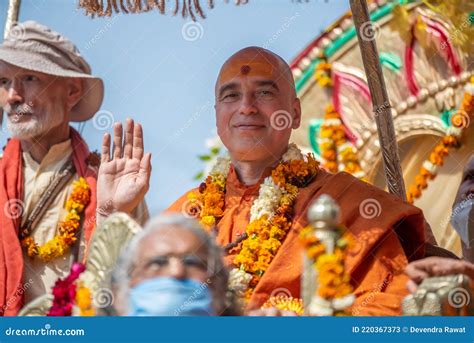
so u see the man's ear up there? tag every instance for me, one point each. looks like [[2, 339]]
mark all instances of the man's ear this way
[[74, 91], [297, 113]]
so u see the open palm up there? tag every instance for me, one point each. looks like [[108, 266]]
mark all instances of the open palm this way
[[124, 177]]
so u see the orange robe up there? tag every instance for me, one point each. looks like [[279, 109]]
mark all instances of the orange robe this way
[[384, 244]]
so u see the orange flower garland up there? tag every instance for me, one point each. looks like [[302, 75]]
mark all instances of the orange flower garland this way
[[285, 303], [338, 153], [333, 282], [459, 121], [323, 74], [59, 245], [265, 236], [270, 213]]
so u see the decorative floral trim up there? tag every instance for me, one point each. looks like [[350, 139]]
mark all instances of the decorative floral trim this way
[[270, 214], [323, 74], [59, 245], [430, 167], [334, 293], [338, 153]]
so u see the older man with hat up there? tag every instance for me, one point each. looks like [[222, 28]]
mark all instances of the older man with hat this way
[[47, 174]]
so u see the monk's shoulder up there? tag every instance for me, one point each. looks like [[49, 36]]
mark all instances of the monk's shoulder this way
[[352, 194]]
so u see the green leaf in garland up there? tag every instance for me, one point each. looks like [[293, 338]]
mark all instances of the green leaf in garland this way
[[199, 176], [204, 157]]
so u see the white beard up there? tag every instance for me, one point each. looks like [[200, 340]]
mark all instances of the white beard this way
[[35, 126]]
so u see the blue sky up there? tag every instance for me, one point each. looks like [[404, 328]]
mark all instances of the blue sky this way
[[161, 70]]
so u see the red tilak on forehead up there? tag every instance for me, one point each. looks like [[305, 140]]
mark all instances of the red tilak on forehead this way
[[245, 69]]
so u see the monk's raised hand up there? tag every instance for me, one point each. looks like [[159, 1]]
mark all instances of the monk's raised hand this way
[[124, 173]]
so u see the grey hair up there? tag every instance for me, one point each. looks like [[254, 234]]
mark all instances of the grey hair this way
[[217, 274]]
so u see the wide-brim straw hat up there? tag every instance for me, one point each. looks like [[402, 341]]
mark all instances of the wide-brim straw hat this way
[[35, 47]]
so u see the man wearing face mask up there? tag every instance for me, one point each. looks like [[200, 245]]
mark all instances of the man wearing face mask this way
[[462, 218], [172, 268]]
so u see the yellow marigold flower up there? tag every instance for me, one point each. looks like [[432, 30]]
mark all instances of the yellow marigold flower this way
[[72, 205], [208, 220], [284, 303], [73, 217]]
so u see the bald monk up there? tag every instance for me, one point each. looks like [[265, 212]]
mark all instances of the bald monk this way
[[255, 86]]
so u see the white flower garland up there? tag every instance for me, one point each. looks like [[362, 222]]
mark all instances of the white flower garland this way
[[269, 197]]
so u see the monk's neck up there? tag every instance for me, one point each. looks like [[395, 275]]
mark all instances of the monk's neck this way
[[39, 146], [250, 172]]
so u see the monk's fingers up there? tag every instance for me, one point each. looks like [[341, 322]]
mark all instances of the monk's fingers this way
[[452, 266], [411, 286], [105, 156], [138, 142], [145, 168], [117, 151], [128, 143], [415, 273]]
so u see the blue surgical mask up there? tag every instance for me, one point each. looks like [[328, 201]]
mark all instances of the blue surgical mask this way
[[462, 221], [165, 296]]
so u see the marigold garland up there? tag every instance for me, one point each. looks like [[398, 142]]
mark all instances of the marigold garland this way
[[66, 236], [338, 153], [270, 215], [334, 293], [285, 303], [323, 74], [460, 121]]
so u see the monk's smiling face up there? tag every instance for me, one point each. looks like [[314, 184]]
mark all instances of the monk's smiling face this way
[[256, 105]]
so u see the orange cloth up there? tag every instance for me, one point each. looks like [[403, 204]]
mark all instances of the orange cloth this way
[[11, 191], [383, 246]]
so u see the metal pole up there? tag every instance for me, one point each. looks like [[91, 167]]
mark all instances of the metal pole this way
[[12, 15]]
